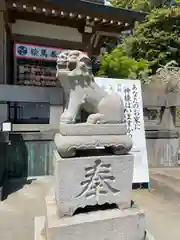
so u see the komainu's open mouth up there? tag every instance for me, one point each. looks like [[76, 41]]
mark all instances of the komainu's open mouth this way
[[61, 65], [69, 61]]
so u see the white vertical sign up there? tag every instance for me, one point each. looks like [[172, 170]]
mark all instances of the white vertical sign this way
[[130, 91]]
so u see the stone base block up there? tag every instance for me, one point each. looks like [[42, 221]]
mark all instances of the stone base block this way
[[39, 230], [46, 227], [91, 181], [85, 129], [113, 224]]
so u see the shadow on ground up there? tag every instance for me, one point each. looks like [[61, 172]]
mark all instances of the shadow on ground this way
[[13, 185]]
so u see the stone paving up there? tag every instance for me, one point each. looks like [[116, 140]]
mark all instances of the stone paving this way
[[17, 212], [162, 216]]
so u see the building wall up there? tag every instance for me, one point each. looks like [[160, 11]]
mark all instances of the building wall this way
[[37, 29], [27, 95], [14, 93]]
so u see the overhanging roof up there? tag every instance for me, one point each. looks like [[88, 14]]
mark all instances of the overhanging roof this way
[[99, 16], [107, 12]]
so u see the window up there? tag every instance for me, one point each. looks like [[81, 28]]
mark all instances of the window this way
[[29, 113]]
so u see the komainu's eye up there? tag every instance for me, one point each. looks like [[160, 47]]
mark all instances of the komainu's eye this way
[[86, 61]]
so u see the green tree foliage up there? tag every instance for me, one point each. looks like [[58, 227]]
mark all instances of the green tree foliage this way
[[140, 4], [144, 5], [157, 40], [118, 65]]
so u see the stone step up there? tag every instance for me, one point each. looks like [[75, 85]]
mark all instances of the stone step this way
[[166, 182]]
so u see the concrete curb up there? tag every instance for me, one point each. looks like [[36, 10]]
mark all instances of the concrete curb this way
[[149, 236], [38, 228]]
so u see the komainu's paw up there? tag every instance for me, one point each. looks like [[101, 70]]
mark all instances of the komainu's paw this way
[[66, 118], [95, 118]]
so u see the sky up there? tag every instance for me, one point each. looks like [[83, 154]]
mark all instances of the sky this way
[[107, 2]]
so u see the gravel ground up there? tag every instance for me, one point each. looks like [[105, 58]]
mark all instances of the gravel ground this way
[[25, 202]]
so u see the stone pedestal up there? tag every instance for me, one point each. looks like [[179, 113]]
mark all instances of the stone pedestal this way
[[92, 200], [90, 181], [91, 197], [68, 145], [78, 137]]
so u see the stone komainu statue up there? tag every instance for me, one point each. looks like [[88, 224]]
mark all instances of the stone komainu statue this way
[[74, 71], [92, 165]]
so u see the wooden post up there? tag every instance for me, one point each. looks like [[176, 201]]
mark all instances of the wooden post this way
[[87, 42], [3, 59]]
